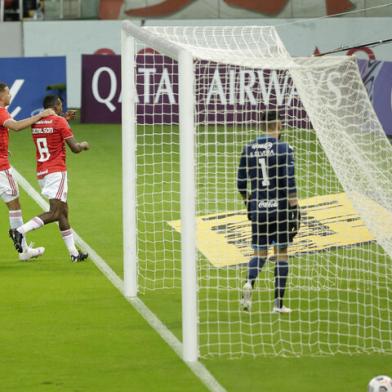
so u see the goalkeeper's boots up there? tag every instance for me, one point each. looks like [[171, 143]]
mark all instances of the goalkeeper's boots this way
[[79, 257], [282, 309], [31, 253], [17, 239], [246, 300]]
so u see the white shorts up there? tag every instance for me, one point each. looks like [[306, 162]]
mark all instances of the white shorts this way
[[8, 187], [55, 186]]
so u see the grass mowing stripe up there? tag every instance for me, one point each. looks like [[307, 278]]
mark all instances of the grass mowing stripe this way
[[197, 368]]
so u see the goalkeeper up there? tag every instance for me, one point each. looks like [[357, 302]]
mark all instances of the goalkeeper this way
[[267, 168]]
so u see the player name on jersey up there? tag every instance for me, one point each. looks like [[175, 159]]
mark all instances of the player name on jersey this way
[[45, 130], [329, 221], [38, 129], [262, 150]]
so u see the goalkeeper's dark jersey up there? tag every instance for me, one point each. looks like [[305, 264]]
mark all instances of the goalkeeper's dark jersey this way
[[267, 165]]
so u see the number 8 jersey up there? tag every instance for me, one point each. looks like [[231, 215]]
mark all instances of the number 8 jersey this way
[[49, 135]]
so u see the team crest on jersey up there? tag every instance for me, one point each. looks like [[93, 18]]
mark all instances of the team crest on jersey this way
[[44, 122]]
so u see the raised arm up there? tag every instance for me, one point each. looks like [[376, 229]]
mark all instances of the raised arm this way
[[16, 126], [76, 147]]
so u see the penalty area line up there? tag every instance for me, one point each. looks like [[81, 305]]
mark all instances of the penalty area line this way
[[197, 367]]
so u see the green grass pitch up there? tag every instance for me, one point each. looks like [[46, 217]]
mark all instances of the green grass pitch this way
[[65, 328]]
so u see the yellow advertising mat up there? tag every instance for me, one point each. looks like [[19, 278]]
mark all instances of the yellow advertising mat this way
[[328, 221]]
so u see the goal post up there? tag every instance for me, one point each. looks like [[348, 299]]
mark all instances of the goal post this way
[[193, 97], [128, 164], [187, 178], [188, 206]]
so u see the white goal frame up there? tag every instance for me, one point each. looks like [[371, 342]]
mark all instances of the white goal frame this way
[[129, 33], [335, 101]]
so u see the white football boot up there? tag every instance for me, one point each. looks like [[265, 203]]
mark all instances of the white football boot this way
[[246, 300], [31, 253], [283, 309]]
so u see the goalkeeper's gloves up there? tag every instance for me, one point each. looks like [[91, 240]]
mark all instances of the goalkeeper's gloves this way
[[294, 221]]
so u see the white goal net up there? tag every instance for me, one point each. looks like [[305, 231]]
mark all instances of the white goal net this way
[[340, 268]]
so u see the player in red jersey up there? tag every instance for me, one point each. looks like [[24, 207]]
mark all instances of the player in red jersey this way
[[9, 191], [50, 135]]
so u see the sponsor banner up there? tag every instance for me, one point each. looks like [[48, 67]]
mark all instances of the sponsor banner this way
[[28, 79], [101, 89], [377, 77], [156, 89], [225, 238], [227, 94], [224, 94]]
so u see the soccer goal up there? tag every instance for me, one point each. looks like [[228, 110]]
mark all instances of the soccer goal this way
[[192, 98]]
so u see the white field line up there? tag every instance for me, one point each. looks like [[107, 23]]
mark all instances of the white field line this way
[[197, 367]]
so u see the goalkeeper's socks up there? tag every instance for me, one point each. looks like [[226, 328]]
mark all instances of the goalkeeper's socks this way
[[281, 272], [69, 242], [32, 224], [254, 266]]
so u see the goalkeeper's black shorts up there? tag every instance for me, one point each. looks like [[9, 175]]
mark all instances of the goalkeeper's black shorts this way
[[270, 229]]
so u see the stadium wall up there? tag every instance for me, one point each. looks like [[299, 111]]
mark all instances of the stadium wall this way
[[77, 38], [301, 39], [202, 9], [11, 46]]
